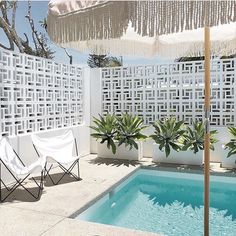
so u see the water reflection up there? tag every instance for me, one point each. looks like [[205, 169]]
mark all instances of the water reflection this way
[[163, 191]]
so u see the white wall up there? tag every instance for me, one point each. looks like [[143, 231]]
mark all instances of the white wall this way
[[171, 89], [95, 102], [39, 94]]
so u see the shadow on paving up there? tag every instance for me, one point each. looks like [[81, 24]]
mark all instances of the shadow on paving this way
[[22, 195], [113, 162], [56, 176]]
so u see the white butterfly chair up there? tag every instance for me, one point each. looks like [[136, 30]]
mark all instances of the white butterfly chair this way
[[58, 149], [15, 166]]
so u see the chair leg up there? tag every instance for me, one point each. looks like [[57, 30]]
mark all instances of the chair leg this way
[[41, 180], [0, 183], [41, 184], [40, 187], [66, 171], [20, 184], [78, 169], [0, 190], [46, 171], [69, 170]]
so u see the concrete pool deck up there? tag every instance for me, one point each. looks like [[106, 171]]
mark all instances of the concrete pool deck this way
[[50, 215]]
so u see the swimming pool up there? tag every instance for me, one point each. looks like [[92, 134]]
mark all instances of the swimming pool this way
[[169, 203]]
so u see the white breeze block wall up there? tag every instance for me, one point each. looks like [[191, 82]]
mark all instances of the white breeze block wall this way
[[39, 95], [173, 89]]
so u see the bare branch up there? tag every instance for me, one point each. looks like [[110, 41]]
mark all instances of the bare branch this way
[[3, 46], [27, 39], [35, 35], [17, 40], [6, 29], [6, 26], [8, 10], [3, 7], [31, 25], [70, 56], [14, 14]]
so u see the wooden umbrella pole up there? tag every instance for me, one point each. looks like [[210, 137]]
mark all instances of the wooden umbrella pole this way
[[207, 131]]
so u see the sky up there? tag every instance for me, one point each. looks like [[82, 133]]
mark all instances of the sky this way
[[39, 12]]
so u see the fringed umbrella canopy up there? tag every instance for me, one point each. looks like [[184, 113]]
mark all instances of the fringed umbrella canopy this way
[[144, 28], [73, 21], [186, 43]]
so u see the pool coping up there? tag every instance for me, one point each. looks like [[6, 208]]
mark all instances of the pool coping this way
[[191, 169]]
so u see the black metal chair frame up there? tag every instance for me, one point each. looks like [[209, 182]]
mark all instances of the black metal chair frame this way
[[19, 182], [67, 171]]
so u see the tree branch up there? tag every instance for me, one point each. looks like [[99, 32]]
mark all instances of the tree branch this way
[[6, 29], [70, 56], [14, 14], [8, 10], [9, 31], [17, 40], [35, 35], [3, 6], [3, 46]]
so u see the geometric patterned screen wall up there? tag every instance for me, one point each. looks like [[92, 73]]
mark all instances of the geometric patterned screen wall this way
[[173, 89], [38, 94]]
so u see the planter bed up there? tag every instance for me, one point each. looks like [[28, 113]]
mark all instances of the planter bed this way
[[182, 157], [122, 152], [227, 162]]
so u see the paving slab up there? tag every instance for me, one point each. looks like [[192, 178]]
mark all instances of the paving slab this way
[[71, 227], [23, 222]]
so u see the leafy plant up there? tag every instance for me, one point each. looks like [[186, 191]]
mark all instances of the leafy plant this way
[[231, 145], [129, 130], [193, 139], [168, 133], [105, 129], [125, 129]]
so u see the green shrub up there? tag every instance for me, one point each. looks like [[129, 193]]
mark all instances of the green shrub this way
[[168, 134], [193, 138], [231, 145], [105, 130], [124, 130], [129, 130]]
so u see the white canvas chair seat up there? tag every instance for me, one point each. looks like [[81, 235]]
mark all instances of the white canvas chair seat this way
[[58, 149], [35, 167], [12, 162], [61, 159], [9, 157]]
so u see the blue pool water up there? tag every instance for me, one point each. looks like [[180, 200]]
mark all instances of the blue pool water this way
[[168, 203]]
